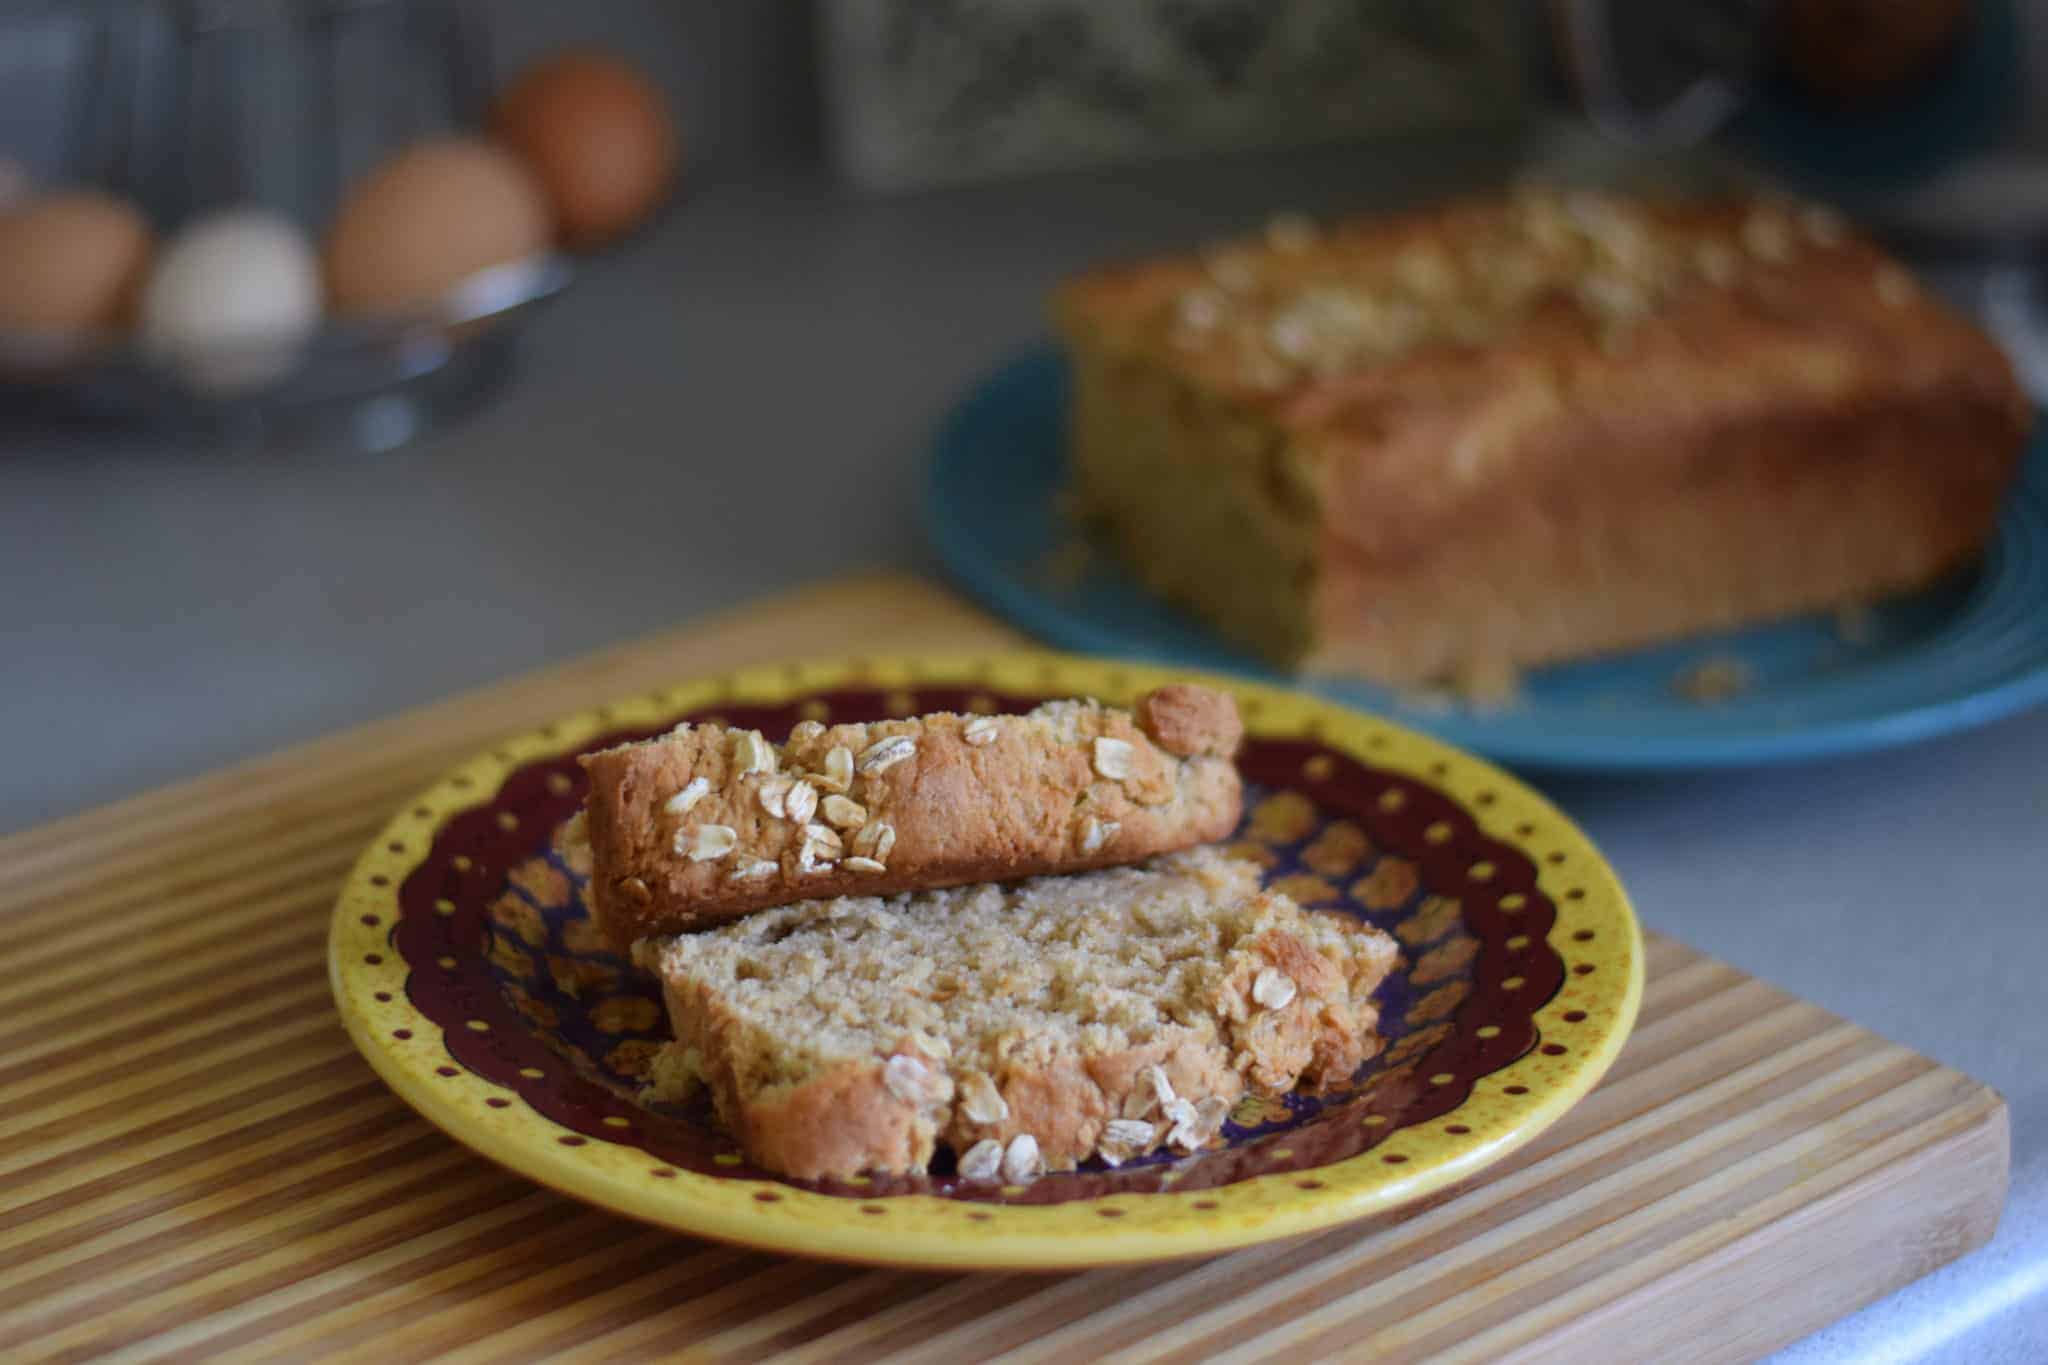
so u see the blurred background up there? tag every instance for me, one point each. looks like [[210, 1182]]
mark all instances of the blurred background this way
[[357, 351], [354, 353]]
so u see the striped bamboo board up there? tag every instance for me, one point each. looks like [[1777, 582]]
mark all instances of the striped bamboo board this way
[[193, 1162]]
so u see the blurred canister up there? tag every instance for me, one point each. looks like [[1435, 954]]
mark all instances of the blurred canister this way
[[1928, 118]]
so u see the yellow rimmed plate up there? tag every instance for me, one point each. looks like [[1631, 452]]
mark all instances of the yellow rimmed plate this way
[[468, 975]]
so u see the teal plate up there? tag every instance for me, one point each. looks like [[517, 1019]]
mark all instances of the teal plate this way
[[1960, 655]]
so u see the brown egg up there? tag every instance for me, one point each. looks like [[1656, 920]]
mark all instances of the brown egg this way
[[72, 261], [427, 219], [599, 138]]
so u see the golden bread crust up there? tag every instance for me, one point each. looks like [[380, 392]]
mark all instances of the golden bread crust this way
[[962, 798], [1427, 445]]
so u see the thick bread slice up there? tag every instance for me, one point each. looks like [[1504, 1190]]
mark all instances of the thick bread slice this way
[[1027, 1027], [709, 823]]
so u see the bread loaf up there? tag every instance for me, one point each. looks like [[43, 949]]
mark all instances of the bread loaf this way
[[1444, 446]]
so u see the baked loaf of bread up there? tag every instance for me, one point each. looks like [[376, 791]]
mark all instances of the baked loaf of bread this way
[[1026, 1027], [1440, 447], [708, 823]]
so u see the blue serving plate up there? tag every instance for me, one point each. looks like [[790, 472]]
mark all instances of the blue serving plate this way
[[1960, 655]]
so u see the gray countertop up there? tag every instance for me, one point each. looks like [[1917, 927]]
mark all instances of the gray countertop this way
[[737, 402]]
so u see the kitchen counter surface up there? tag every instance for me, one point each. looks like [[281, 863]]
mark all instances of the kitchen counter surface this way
[[737, 402]]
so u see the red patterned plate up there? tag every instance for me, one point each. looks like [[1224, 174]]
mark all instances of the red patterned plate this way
[[469, 975]]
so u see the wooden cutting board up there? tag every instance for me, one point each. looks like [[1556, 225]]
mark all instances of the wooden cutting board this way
[[194, 1163]]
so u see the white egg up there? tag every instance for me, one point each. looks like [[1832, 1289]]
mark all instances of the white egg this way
[[232, 300]]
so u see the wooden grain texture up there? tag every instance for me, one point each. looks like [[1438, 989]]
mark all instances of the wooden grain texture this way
[[195, 1164]]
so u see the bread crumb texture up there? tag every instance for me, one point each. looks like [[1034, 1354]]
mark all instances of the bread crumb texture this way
[[1025, 1027]]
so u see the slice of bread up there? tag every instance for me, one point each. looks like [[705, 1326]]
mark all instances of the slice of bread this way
[[708, 823], [1027, 1027]]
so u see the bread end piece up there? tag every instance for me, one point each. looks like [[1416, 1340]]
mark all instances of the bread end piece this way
[[707, 823]]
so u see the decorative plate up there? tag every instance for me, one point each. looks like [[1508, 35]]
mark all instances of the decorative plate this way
[[1965, 653], [469, 976]]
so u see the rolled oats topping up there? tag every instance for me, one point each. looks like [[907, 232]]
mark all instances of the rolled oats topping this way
[[751, 753], [1096, 833], [1291, 337], [980, 1101], [1196, 1125], [801, 803], [1186, 1121], [815, 856], [1291, 232], [1273, 988], [1613, 298], [1717, 262], [1232, 270], [1123, 1139], [1767, 236], [751, 869], [1113, 757], [983, 1161], [906, 1078], [1622, 241], [885, 754], [773, 797], [981, 730], [837, 774], [843, 813], [804, 731], [1325, 321], [693, 791], [1021, 1161], [1822, 225], [875, 840], [825, 839], [1426, 270], [859, 864], [1162, 1089], [1895, 288], [1199, 309], [1540, 217], [705, 843], [1274, 323]]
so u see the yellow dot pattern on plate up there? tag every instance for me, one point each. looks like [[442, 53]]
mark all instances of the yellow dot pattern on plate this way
[[1337, 851], [1283, 818]]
